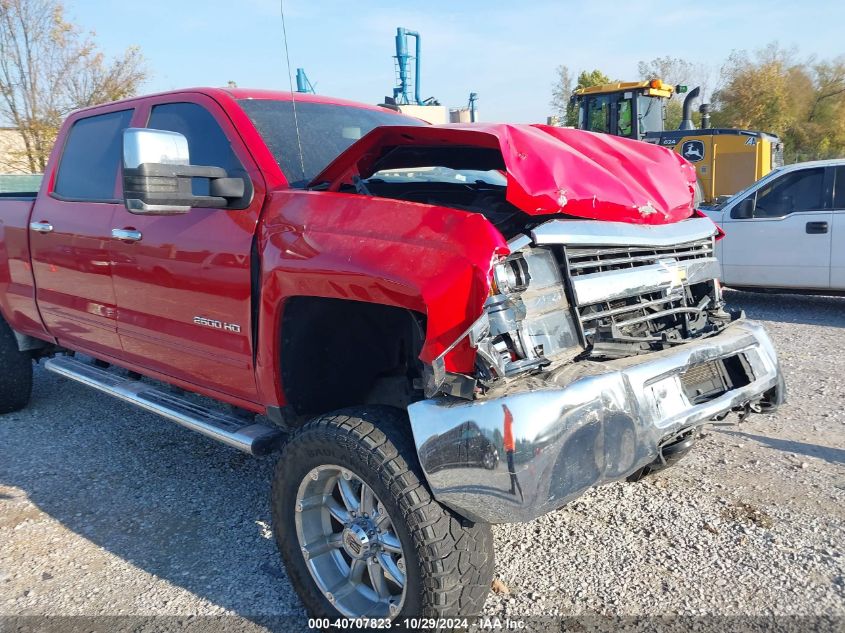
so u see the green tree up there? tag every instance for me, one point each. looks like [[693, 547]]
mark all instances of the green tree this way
[[590, 78], [756, 92], [772, 90], [49, 67], [819, 131]]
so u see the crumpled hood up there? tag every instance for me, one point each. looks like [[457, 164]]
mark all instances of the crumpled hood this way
[[549, 169]]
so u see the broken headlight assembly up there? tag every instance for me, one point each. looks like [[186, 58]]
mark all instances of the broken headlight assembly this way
[[527, 325]]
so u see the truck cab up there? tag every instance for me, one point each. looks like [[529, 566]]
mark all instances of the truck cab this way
[[627, 109], [786, 231]]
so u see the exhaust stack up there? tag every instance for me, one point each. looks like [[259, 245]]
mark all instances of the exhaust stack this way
[[686, 122], [704, 109]]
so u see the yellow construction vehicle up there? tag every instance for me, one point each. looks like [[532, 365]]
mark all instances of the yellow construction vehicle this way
[[726, 160]]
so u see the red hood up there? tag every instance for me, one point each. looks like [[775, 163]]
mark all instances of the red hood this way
[[550, 169]]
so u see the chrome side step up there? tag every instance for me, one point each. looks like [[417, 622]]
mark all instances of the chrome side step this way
[[257, 439]]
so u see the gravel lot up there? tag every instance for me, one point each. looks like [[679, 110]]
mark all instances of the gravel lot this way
[[106, 510]]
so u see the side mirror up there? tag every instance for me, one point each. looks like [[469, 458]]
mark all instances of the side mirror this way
[[157, 176], [744, 210]]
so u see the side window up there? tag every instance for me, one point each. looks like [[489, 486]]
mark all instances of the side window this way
[[91, 156], [624, 121], [207, 144], [598, 113], [839, 189], [795, 191]]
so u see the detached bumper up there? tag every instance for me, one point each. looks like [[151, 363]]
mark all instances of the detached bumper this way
[[582, 425]]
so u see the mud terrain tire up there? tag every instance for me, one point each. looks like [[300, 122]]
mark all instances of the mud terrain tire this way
[[448, 563]]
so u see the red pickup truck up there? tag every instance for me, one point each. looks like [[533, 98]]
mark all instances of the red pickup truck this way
[[438, 328]]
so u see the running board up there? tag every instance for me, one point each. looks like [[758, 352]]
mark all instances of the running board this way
[[257, 439]]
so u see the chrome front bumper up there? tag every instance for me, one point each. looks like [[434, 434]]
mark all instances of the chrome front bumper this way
[[582, 425]]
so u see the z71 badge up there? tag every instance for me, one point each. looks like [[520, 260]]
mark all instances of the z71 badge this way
[[217, 325]]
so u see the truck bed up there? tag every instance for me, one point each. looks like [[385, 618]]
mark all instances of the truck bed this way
[[20, 184], [17, 285]]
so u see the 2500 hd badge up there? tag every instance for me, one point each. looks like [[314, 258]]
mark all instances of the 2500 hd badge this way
[[217, 325]]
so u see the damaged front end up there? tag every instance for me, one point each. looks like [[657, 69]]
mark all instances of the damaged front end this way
[[566, 289], [526, 326], [602, 342], [585, 423], [579, 289], [603, 347]]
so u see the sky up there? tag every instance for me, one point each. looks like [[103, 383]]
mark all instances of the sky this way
[[506, 52]]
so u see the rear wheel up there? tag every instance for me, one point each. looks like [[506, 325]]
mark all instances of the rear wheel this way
[[361, 535], [15, 373]]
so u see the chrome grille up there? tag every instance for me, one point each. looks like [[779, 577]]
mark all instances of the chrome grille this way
[[626, 290], [597, 259]]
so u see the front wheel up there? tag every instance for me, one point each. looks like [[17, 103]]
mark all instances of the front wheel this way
[[359, 532]]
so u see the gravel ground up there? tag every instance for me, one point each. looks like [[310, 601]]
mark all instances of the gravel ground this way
[[106, 510]]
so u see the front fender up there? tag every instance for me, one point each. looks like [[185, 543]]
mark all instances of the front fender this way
[[433, 260]]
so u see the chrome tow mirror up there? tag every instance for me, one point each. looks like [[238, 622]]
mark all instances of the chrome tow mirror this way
[[157, 176]]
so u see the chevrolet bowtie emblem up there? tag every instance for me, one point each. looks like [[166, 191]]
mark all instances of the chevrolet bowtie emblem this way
[[677, 275]]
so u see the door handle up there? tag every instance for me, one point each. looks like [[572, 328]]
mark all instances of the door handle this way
[[127, 235], [817, 228], [41, 227]]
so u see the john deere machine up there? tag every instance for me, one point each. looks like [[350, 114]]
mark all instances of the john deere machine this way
[[726, 160]]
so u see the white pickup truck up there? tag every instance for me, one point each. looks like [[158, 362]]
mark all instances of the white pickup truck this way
[[787, 230]]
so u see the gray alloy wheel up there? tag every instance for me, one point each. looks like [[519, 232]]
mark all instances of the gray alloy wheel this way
[[358, 530], [349, 543]]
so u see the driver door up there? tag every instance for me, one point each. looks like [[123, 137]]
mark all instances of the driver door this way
[[183, 282], [786, 242]]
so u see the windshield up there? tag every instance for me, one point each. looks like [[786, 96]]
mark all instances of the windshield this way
[[598, 114], [326, 130], [650, 114], [441, 175]]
